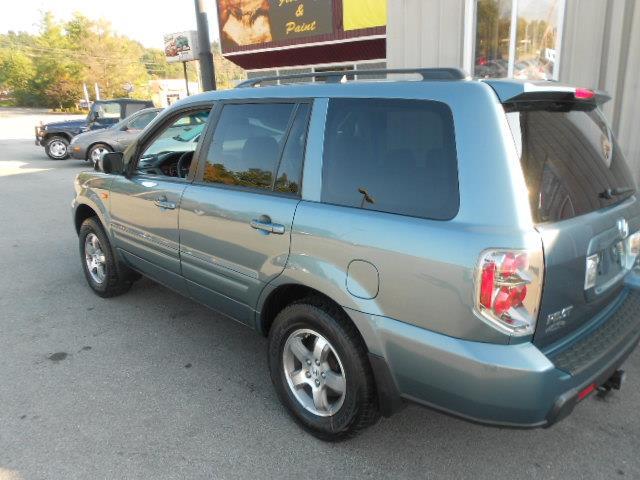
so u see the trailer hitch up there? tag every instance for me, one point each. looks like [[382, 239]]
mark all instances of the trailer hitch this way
[[614, 382]]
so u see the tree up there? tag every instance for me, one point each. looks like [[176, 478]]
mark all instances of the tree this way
[[48, 69], [16, 72]]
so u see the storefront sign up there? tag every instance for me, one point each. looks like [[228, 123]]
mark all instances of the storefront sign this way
[[253, 22], [181, 46]]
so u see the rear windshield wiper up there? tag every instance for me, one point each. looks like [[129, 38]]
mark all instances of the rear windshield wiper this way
[[609, 193]]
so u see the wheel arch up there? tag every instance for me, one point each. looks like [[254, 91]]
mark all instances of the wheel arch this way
[[65, 135], [84, 211], [274, 300], [278, 298]]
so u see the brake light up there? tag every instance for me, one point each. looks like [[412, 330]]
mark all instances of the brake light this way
[[584, 94], [509, 284]]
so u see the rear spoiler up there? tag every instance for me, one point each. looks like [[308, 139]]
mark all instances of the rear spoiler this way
[[513, 91]]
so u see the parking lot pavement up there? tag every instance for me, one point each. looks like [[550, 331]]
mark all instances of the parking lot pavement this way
[[153, 385]]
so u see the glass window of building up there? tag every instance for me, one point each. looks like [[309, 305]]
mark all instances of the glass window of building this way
[[518, 38]]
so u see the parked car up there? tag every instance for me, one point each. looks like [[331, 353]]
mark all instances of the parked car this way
[[463, 244], [92, 144], [56, 136]]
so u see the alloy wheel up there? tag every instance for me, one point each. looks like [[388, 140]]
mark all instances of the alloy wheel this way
[[57, 148], [314, 372], [95, 258], [97, 153]]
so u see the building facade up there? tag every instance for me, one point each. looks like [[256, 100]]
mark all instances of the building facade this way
[[277, 37], [588, 43]]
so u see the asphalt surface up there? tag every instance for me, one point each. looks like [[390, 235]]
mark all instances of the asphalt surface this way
[[153, 385]]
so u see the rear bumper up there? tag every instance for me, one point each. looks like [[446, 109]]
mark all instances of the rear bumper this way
[[504, 385]]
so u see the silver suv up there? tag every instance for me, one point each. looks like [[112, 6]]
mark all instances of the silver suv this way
[[467, 245]]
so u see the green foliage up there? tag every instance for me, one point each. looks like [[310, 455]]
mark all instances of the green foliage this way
[[48, 69]]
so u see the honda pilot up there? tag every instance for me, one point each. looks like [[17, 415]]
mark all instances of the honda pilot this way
[[468, 245]]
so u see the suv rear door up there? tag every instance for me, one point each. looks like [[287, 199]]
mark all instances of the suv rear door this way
[[235, 220], [582, 198]]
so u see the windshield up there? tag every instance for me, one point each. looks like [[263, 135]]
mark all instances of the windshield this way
[[570, 159]]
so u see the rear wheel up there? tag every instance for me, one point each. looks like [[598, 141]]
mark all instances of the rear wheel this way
[[96, 151], [57, 147], [105, 275], [320, 370]]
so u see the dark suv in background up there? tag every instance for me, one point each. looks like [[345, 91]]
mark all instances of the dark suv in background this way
[[56, 136]]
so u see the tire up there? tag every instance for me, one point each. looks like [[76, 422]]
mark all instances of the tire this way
[[344, 414], [57, 147], [93, 155], [116, 278]]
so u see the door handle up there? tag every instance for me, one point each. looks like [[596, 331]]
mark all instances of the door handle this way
[[264, 224], [162, 202]]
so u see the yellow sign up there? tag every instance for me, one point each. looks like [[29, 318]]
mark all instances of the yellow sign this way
[[357, 14]]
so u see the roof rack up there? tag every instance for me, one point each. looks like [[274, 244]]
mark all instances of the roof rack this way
[[336, 76]]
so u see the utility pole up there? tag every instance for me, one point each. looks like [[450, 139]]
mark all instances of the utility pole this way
[[186, 77], [207, 70]]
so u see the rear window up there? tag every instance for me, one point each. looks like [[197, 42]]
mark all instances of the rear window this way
[[570, 160], [396, 156], [131, 108]]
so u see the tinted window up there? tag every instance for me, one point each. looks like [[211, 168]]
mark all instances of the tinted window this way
[[290, 168], [141, 121], [395, 156], [247, 144], [569, 158]]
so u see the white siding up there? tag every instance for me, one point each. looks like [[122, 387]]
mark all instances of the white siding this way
[[425, 33]]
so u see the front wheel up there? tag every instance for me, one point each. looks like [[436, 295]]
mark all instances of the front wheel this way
[[96, 151], [105, 275], [57, 147], [320, 370]]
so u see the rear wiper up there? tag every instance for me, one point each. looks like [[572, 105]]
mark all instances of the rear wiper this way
[[609, 193]]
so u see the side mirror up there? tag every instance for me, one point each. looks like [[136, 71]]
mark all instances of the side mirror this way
[[111, 162]]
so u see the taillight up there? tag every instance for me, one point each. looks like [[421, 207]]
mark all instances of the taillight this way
[[584, 94], [508, 289]]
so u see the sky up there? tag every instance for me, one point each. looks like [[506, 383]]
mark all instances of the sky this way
[[143, 20]]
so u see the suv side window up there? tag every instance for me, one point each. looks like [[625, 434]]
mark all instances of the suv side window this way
[[252, 147], [171, 151], [396, 156]]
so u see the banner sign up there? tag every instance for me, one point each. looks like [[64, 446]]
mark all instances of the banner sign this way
[[181, 46], [357, 14], [253, 22]]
